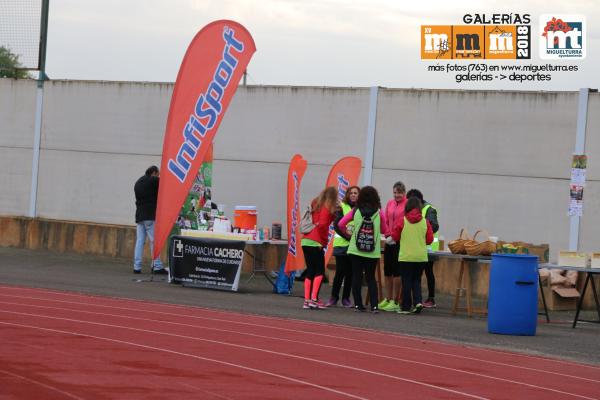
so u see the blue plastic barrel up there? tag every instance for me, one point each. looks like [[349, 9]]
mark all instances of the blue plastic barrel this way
[[512, 302]]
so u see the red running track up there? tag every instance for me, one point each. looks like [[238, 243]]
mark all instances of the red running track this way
[[60, 345]]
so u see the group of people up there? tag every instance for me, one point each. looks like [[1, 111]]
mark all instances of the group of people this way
[[408, 226]]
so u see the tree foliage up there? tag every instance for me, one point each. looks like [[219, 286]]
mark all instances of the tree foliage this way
[[9, 65]]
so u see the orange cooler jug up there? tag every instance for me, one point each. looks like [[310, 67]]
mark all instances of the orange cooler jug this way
[[245, 217]]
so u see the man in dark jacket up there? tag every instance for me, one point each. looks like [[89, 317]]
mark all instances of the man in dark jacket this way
[[146, 196], [431, 216]]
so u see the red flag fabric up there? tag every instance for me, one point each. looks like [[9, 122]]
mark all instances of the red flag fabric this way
[[295, 258], [208, 77], [342, 175]]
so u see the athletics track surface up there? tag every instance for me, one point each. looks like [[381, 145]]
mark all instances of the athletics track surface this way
[[62, 345]]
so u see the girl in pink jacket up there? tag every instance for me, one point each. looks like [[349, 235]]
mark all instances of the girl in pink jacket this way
[[393, 212]]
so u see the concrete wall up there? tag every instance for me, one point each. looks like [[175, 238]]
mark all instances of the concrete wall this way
[[97, 139], [17, 106], [489, 160], [493, 160]]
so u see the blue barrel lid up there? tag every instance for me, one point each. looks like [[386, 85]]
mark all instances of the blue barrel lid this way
[[501, 255]]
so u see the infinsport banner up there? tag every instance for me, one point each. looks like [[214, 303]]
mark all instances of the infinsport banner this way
[[208, 77], [295, 258], [343, 174]]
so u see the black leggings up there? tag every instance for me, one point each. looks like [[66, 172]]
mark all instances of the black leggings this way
[[430, 279], [411, 283], [366, 265], [315, 261], [343, 273]]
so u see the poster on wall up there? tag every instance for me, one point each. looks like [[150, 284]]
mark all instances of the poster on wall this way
[[578, 169], [578, 174]]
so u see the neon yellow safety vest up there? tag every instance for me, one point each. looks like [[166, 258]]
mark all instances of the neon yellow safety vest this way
[[358, 219], [435, 245], [339, 241], [413, 246]]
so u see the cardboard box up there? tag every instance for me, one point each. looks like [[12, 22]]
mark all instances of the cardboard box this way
[[540, 250], [595, 260], [573, 259], [559, 298]]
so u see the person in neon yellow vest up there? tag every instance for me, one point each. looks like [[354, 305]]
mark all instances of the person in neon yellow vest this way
[[430, 214], [414, 233], [365, 245], [341, 240]]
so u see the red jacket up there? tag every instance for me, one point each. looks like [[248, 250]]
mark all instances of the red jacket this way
[[413, 217], [322, 219]]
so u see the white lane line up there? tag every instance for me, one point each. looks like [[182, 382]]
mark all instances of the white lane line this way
[[187, 355], [252, 348], [38, 383], [335, 348], [297, 331]]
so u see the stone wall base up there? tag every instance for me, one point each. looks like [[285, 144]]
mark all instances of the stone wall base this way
[[116, 241]]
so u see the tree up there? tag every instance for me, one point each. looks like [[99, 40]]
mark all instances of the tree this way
[[9, 64]]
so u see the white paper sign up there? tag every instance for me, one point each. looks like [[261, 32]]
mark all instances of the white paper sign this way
[[578, 176]]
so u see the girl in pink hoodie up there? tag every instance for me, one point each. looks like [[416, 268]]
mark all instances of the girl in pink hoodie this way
[[394, 212]]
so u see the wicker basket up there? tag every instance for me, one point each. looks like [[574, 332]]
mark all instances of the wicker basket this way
[[458, 246], [485, 248]]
